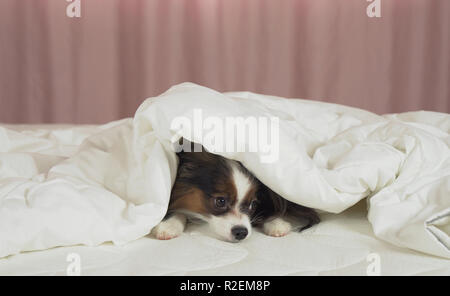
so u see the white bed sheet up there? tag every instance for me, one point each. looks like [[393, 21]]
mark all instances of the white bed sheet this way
[[340, 245]]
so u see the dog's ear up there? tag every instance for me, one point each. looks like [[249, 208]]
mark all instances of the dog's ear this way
[[272, 205], [303, 213], [194, 152], [186, 146]]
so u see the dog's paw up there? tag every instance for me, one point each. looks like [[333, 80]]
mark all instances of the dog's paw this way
[[169, 228], [277, 227]]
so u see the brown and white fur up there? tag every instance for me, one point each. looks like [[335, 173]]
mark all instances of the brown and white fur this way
[[229, 198]]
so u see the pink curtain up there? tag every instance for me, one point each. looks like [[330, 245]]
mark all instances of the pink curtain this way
[[101, 66]]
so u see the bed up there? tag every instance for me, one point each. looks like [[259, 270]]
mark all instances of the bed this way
[[341, 245], [71, 191]]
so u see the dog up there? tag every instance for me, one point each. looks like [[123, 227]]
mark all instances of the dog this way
[[223, 193]]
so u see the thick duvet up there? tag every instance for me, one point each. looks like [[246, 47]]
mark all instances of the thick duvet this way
[[93, 184]]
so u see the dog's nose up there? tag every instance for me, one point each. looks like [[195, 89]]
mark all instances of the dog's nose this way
[[239, 232]]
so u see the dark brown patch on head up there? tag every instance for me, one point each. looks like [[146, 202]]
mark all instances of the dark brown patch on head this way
[[202, 177], [190, 199]]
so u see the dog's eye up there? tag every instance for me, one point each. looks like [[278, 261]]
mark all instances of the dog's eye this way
[[220, 202], [252, 204]]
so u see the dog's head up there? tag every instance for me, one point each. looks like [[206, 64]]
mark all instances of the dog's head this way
[[217, 190]]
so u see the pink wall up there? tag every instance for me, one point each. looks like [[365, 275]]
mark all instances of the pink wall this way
[[100, 67]]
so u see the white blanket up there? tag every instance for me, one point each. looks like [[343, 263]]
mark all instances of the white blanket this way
[[89, 185]]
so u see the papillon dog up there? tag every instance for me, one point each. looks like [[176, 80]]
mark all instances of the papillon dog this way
[[229, 198]]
